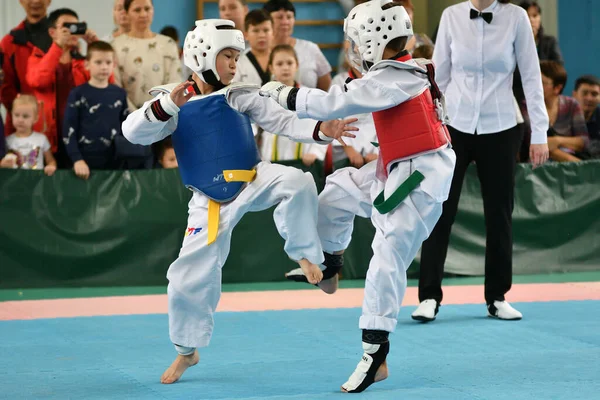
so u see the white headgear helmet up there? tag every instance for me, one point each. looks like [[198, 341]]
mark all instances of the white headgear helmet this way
[[369, 28], [203, 44]]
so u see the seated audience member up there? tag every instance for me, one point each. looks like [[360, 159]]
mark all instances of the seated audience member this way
[[27, 149], [253, 66], [52, 75], [95, 112], [587, 93], [568, 133]]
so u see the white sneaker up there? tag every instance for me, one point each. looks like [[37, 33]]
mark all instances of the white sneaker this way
[[426, 311], [503, 310]]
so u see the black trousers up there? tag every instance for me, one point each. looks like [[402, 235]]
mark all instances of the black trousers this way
[[495, 156]]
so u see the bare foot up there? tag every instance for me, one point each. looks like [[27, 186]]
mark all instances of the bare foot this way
[[381, 374], [330, 285], [312, 271], [181, 363]]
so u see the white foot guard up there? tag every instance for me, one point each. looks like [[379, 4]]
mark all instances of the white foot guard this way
[[426, 311], [503, 310], [365, 373]]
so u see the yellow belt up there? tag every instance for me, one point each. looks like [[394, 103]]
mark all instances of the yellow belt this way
[[214, 208]]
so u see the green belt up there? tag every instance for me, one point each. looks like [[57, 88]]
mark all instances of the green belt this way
[[385, 206]]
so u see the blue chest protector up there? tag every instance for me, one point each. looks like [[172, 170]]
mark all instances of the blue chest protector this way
[[212, 137]]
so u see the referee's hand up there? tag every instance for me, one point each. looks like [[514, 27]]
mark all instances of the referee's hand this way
[[538, 154]]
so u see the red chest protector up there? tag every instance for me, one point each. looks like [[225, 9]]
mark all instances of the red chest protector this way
[[414, 127]]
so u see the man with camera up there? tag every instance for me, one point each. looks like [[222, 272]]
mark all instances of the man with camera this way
[[17, 47], [53, 74]]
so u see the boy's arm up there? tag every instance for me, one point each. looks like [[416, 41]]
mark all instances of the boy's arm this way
[[49, 159], [41, 68], [153, 122], [71, 131], [272, 118], [364, 95]]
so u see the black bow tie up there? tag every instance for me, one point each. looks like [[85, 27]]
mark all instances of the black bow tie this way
[[487, 16]]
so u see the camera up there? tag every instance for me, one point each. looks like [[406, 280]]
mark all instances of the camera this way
[[76, 28]]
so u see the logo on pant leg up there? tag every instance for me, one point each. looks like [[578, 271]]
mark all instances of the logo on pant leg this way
[[192, 231]]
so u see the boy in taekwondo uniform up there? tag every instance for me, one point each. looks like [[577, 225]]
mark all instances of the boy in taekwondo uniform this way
[[403, 191], [210, 124]]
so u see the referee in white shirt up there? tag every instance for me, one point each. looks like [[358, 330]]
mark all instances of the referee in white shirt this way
[[479, 44]]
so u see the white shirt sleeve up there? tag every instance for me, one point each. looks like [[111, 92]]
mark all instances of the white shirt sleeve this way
[[272, 118], [529, 66], [142, 127], [364, 95], [442, 55]]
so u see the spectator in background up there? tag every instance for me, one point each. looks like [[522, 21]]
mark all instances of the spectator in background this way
[[122, 24], [165, 153], [144, 59], [94, 114], [17, 47], [234, 10], [52, 75], [27, 149], [283, 61], [314, 69], [547, 45], [587, 94], [568, 133], [253, 66]]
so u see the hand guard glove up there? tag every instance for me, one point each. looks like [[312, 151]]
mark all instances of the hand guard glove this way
[[284, 95]]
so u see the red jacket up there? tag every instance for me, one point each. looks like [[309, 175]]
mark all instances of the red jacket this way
[[16, 51], [41, 77]]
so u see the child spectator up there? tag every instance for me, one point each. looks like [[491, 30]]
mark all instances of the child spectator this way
[[95, 111], [284, 64], [253, 66], [165, 153], [27, 149]]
